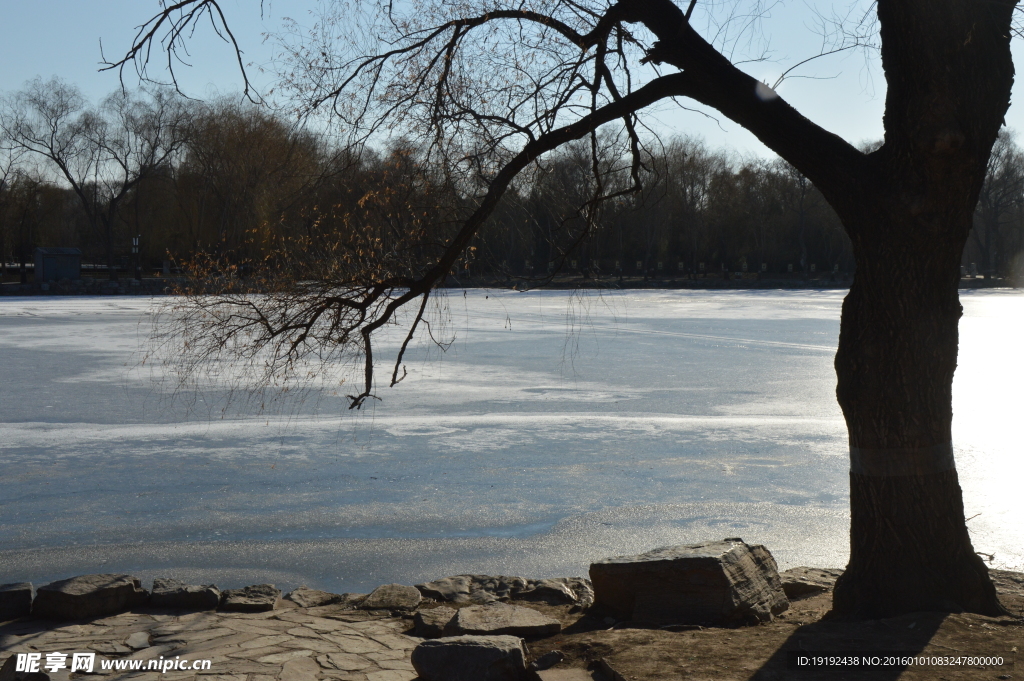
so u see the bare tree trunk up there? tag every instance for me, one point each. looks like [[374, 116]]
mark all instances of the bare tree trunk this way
[[802, 183], [909, 545], [910, 549], [925, 562]]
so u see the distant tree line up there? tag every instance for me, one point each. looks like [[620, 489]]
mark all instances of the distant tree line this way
[[227, 185]]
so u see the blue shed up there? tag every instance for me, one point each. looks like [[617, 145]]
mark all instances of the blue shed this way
[[54, 264]]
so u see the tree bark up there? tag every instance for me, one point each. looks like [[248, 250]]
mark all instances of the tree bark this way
[[910, 550], [949, 72], [909, 545]]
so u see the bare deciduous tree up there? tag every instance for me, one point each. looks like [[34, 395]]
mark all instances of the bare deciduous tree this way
[[101, 153], [492, 86], [1001, 195], [10, 155]]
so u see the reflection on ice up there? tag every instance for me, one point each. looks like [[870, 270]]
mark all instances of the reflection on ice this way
[[987, 400], [660, 417]]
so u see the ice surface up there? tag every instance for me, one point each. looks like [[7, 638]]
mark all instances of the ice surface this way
[[555, 430]]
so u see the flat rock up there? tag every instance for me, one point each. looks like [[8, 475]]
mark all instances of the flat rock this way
[[88, 597], [312, 598], [171, 593], [346, 662], [351, 600], [449, 589], [568, 675], [725, 583], [299, 669], [800, 582], [110, 648], [392, 597], [558, 590], [256, 598], [470, 658], [8, 673], [497, 619], [138, 640], [487, 589], [15, 600], [431, 623]]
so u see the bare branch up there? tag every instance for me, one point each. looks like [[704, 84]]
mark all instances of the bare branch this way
[[171, 29], [482, 96]]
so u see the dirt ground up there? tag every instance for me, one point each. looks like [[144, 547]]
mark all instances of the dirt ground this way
[[763, 652]]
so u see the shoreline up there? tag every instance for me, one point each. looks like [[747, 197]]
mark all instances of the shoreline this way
[[316, 636], [163, 286]]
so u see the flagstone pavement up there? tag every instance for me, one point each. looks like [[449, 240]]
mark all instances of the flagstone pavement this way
[[287, 644]]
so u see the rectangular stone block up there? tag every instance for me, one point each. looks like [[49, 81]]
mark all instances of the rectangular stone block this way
[[725, 582]]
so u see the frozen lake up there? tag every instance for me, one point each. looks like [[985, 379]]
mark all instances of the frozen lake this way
[[554, 431]]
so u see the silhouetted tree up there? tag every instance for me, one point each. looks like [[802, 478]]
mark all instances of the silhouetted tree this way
[[503, 84], [102, 153], [1002, 197]]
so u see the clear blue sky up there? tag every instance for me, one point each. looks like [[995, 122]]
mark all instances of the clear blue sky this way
[[62, 37]]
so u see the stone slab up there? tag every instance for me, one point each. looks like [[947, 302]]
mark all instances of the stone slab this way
[[568, 675], [88, 596], [138, 640], [299, 669], [355, 644], [391, 675], [172, 593], [800, 582], [490, 588], [723, 583], [257, 598], [317, 646], [470, 658], [498, 619], [312, 598], [346, 662], [392, 597]]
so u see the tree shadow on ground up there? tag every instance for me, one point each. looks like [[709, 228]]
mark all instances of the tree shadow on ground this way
[[875, 640]]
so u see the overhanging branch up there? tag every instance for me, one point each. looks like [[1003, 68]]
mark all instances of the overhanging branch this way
[[674, 85]]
